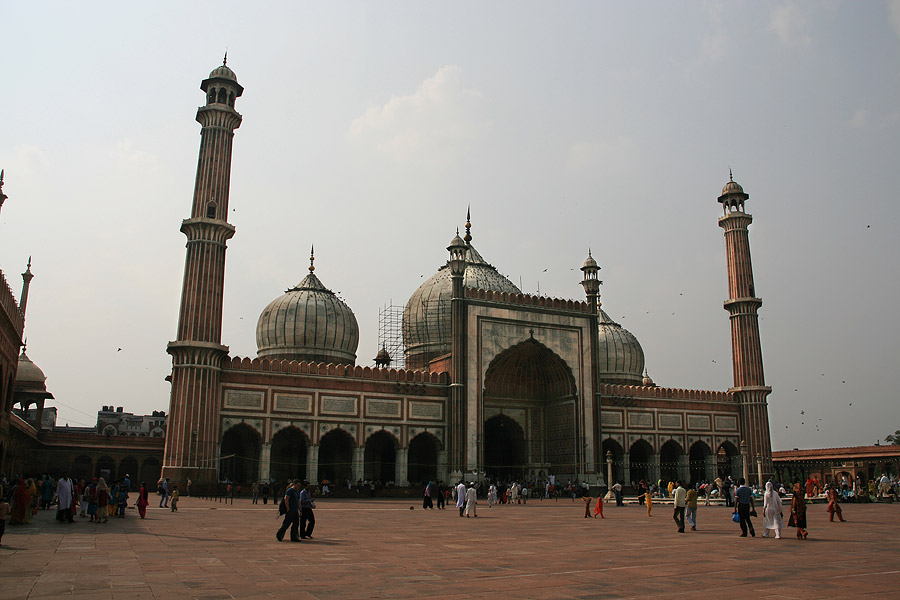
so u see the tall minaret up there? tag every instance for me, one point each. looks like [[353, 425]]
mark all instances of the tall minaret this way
[[192, 435], [27, 276], [750, 389]]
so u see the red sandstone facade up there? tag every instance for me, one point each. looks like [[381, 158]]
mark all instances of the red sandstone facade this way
[[505, 384]]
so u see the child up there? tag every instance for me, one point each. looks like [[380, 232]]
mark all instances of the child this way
[[649, 500], [175, 499], [4, 513], [122, 501]]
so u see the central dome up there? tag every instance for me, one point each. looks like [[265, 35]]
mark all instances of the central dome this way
[[426, 318], [308, 323]]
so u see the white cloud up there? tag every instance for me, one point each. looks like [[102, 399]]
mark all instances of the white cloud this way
[[791, 23], [434, 120], [894, 14]]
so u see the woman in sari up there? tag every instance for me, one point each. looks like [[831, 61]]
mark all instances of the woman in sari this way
[[798, 512], [21, 503], [833, 507], [598, 509], [143, 500], [32, 499], [772, 512], [102, 501]]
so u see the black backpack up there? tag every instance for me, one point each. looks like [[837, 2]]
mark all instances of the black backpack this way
[[282, 508]]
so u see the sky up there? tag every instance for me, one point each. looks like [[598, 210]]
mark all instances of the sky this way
[[370, 127]]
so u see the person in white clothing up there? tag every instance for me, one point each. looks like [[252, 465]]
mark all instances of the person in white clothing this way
[[471, 499], [773, 517], [461, 497], [492, 495]]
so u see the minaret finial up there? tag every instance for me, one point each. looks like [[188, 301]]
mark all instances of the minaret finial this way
[[468, 237], [225, 60], [730, 176], [312, 258]]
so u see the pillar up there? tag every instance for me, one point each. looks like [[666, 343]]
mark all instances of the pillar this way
[[312, 464], [265, 462], [684, 469], [401, 469], [358, 467]]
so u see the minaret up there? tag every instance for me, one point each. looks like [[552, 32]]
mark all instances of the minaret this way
[[750, 389], [27, 276], [458, 425], [192, 437], [591, 284]]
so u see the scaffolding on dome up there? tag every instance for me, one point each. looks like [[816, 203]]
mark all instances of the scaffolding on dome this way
[[390, 334]]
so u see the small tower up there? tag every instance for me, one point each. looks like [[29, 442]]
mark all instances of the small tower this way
[[456, 456], [750, 389], [383, 358], [193, 432], [591, 284], [27, 276]]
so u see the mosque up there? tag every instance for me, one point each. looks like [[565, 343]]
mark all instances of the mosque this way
[[497, 383]]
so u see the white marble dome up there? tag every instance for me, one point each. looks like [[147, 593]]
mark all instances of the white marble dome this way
[[308, 323], [620, 358]]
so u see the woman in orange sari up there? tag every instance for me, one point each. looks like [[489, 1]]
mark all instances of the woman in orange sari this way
[[598, 510]]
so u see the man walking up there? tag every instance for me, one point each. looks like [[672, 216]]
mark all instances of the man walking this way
[[690, 512], [743, 497], [307, 518], [292, 516], [471, 496], [679, 494], [461, 497], [164, 491], [617, 490]]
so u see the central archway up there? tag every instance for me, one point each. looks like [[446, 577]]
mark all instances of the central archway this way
[[505, 453], [538, 382], [423, 458]]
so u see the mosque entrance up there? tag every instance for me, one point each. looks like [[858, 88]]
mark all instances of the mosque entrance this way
[[533, 382], [728, 461], [505, 455], [423, 457], [239, 454], [336, 456], [288, 458], [699, 458], [380, 457]]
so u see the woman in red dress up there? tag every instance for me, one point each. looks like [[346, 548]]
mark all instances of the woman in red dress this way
[[798, 512], [143, 500]]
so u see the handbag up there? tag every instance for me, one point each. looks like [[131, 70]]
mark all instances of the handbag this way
[[735, 517], [791, 521]]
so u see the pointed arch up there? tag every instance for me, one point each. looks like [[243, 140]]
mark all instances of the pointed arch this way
[[239, 452]]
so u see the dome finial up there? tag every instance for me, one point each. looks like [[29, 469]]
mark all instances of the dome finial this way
[[468, 237], [312, 258], [730, 175], [225, 60]]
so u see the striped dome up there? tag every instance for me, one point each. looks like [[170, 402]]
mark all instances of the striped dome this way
[[426, 317], [309, 322], [620, 358]]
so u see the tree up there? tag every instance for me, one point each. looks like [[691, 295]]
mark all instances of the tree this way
[[894, 438]]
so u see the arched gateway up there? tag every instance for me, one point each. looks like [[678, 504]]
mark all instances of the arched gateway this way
[[530, 413]]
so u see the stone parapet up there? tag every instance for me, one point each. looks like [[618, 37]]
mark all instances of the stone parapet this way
[[528, 300], [293, 367]]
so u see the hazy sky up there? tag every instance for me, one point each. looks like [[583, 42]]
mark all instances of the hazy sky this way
[[369, 127]]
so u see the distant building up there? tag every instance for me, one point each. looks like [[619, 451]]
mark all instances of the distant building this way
[[830, 464], [114, 421]]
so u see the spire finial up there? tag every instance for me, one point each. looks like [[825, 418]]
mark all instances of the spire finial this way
[[468, 237], [730, 176], [312, 258], [225, 60]]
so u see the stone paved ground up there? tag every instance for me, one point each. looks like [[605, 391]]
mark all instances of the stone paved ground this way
[[381, 549]]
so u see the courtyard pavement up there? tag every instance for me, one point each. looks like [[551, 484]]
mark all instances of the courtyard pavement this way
[[371, 548]]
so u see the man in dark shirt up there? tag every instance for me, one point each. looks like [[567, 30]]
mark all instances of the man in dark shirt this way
[[743, 497], [307, 518], [292, 516]]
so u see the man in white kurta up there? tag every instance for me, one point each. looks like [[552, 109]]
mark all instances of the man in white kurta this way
[[64, 493], [471, 500], [461, 497]]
